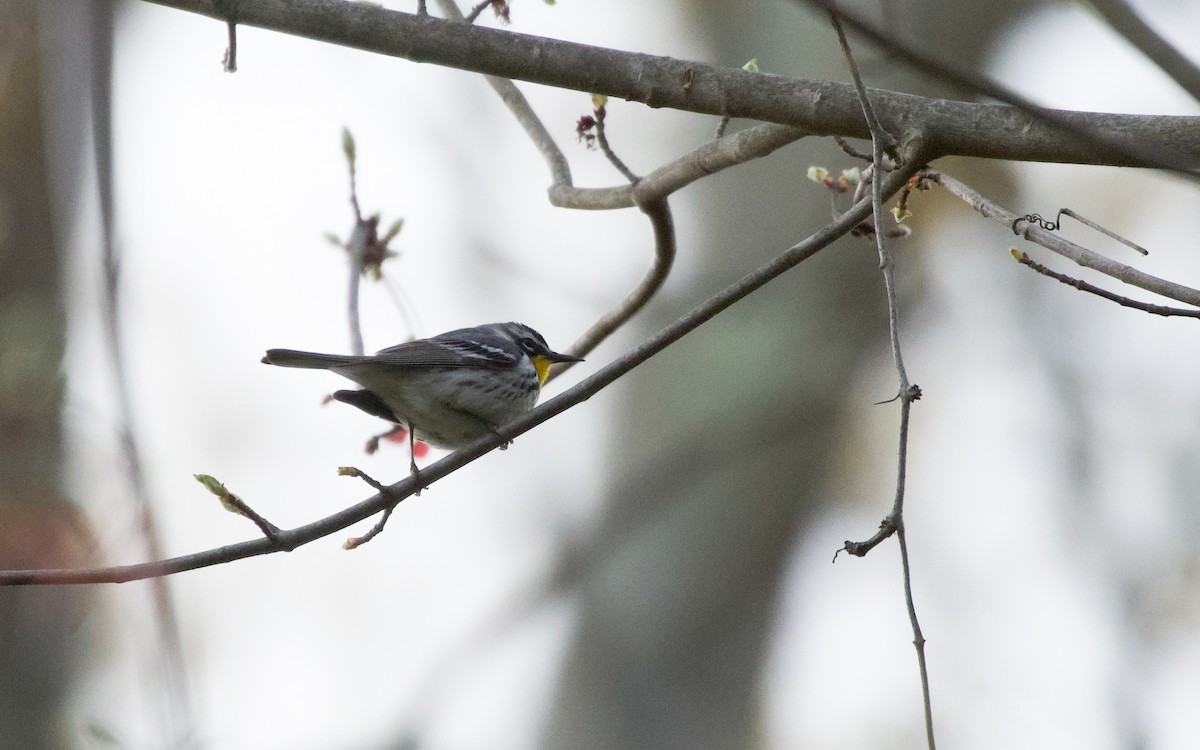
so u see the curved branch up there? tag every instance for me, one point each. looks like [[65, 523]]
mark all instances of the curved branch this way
[[663, 224], [560, 170], [724, 152], [820, 108], [289, 539]]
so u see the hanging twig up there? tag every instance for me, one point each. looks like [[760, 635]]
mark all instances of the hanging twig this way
[[881, 140], [1083, 286]]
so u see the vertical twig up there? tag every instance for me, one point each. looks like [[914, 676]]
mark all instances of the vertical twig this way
[[356, 248], [229, 13], [881, 140], [230, 61], [601, 111]]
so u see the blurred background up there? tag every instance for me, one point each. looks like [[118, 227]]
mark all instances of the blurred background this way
[[652, 568]]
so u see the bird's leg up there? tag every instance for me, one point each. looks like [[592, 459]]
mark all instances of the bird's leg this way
[[412, 459], [506, 443]]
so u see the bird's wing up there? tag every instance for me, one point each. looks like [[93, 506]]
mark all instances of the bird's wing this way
[[443, 352]]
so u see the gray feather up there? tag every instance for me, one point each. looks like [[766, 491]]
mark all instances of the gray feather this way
[[307, 360]]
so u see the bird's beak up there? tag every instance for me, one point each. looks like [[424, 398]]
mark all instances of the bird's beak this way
[[542, 362]]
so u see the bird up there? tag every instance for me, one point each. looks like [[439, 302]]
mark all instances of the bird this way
[[447, 390]]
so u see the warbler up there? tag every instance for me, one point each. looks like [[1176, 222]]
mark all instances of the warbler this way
[[447, 390]]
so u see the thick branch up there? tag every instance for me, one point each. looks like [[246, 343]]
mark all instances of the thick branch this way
[[820, 108]]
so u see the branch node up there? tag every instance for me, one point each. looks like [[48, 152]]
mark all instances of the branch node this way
[[887, 527], [355, 542]]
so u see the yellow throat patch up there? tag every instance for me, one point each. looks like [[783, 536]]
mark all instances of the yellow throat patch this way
[[542, 365]]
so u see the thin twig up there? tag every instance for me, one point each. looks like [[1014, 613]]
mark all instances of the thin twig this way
[[663, 225], [227, 10], [475, 11], [518, 105], [878, 132], [1083, 286], [1051, 241], [880, 141], [235, 504], [356, 247], [850, 150], [908, 393], [577, 394], [355, 542], [230, 60], [601, 113], [1057, 224], [269, 530], [918, 637]]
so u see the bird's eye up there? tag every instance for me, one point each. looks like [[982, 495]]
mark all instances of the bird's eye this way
[[528, 344]]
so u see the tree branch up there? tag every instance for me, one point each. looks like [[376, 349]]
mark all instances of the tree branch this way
[[288, 539], [907, 392], [714, 156], [821, 108], [1047, 239], [1089, 136], [1083, 286]]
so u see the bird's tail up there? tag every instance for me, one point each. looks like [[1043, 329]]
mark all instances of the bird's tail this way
[[307, 360]]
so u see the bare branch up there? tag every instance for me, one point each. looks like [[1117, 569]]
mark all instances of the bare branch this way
[[297, 537], [819, 108], [714, 156], [918, 637], [878, 132], [1083, 286], [480, 7], [227, 9], [880, 140], [560, 171], [1081, 255], [601, 113], [908, 393], [659, 214], [1057, 224], [235, 504]]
